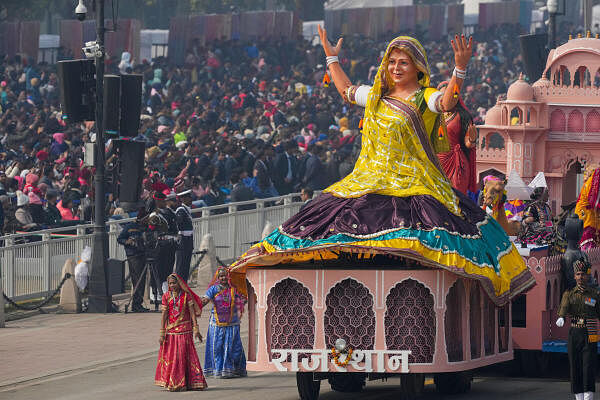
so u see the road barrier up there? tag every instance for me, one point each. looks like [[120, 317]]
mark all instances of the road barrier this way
[[31, 263]]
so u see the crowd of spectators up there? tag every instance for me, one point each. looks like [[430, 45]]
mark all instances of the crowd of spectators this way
[[238, 121]]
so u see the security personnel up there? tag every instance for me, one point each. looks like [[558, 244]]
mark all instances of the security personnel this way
[[166, 241], [582, 305], [185, 234], [132, 238]]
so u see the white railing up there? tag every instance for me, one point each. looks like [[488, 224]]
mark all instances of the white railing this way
[[32, 269]]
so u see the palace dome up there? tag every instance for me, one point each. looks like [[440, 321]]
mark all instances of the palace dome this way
[[494, 115], [520, 91]]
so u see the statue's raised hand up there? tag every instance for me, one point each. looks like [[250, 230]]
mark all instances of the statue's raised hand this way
[[463, 50], [327, 47]]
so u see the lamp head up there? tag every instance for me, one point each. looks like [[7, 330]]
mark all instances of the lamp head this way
[[552, 6]]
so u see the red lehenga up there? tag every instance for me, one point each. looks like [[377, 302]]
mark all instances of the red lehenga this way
[[459, 163], [178, 364]]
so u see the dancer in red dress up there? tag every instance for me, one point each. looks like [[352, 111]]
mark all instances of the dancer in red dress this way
[[459, 163], [178, 364]]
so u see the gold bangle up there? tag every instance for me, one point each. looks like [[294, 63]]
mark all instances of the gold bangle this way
[[195, 328]]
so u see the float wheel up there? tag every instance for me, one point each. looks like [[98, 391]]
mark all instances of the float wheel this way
[[453, 382], [308, 388], [347, 382], [412, 385]]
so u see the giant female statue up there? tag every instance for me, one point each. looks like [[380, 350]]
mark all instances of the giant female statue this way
[[397, 201]]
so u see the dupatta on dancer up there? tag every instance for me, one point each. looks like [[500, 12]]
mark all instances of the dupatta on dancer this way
[[178, 366]]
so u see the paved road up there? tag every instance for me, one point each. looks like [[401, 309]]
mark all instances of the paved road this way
[[134, 380], [113, 356]]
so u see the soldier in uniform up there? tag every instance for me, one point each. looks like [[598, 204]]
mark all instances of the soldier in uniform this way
[[582, 305], [185, 235], [132, 238], [166, 240]]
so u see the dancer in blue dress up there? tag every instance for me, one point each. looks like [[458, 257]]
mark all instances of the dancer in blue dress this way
[[224, 356]]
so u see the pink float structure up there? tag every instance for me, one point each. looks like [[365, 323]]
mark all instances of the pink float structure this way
[[408, 322], [551, 126]]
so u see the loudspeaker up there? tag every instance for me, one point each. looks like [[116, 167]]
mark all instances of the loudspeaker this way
[[111, 115], [535, 54], [131, 104], [115, 270], [130, 170], [77, 81]]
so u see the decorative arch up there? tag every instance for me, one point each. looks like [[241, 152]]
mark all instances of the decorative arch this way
[[573, 179], [582, 77], [410, 322], [494, 140], [455, 304], [290, 319], [349, 315], [252, 321], [558, 122], [516, 116], [592, 121], [532, 116], [597, 78], [575, 123], [565, 76], [490, 171]]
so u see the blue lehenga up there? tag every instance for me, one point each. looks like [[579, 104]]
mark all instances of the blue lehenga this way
[[224, 357]]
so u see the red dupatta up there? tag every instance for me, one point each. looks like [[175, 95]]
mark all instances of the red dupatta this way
[[190, 294]]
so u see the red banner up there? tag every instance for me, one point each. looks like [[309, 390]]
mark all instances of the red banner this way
[[376, 22], [20, 38], [74, 34]]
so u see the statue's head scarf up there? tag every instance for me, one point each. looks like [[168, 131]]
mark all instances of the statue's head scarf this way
[[417, 54]]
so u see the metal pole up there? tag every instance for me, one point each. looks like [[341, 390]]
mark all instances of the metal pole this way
[[1, 303], [99, 299], [587, 14], [552, 27]]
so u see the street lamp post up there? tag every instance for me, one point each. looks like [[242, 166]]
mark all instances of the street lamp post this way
[[99, 299], [552, 11]]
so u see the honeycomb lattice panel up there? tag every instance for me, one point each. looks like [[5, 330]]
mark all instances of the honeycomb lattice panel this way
[[453, 321], [290, 316], [349, 315], [410, 321]]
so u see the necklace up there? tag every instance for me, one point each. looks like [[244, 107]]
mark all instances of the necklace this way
[[176, 301], [408, 97]]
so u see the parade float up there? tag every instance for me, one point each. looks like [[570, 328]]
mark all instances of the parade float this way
[[389, 271], [551, 126]]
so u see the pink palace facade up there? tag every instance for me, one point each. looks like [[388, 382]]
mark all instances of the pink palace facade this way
[[551, 126]]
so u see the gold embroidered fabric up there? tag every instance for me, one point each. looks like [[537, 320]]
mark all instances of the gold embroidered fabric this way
[[393, 162]]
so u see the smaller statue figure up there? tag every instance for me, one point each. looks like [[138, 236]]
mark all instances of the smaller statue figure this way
[[494, 197], [573, 231], [537, 219], [582, 305], [588, 208], [459, 163]]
